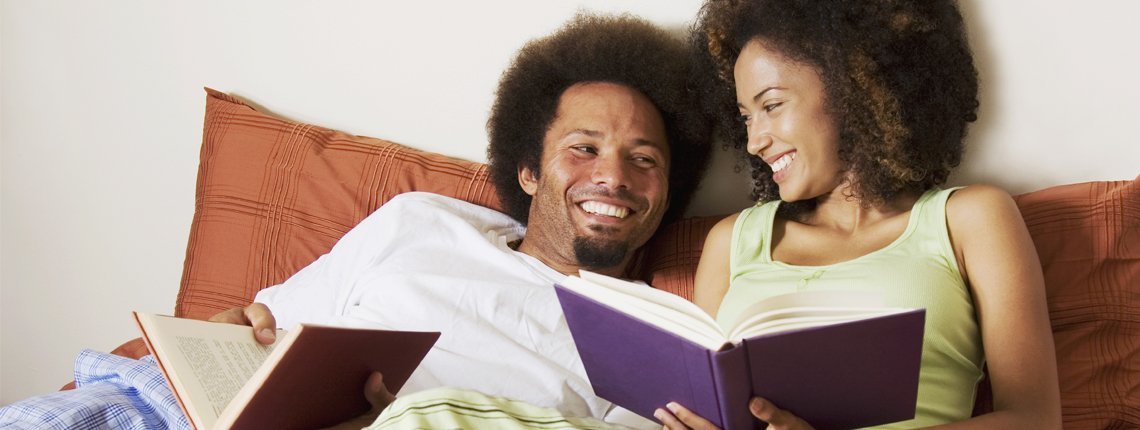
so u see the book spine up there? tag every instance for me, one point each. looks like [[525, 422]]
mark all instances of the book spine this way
[[733, 388]]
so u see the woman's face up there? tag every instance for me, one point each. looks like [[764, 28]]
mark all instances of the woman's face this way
[[783, 105]]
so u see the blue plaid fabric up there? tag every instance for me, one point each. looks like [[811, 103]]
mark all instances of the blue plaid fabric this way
[[111, 392]]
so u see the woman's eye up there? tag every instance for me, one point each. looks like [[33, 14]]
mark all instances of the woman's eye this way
[[744, 118], [770, 107]]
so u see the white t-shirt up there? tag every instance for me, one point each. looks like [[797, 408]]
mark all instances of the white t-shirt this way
[[431, 263]]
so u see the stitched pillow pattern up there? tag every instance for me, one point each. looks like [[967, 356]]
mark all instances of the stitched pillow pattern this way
[[273, 195], [1088, 238]]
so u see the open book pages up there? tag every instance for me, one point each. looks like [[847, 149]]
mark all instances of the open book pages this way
[[205, 363], [662, 309], [773, 315], [310, 378]]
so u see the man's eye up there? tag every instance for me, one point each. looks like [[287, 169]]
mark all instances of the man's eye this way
[[644, 161], [587, 149]]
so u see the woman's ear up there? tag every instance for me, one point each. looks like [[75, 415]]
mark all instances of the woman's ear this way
[[528, 180]]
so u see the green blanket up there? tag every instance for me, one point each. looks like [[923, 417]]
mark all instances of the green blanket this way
[[453, 408]]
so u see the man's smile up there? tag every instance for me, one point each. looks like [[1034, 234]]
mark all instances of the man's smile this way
[[605, 209]]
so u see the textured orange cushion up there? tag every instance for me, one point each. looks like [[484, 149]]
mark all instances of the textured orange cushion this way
[[669, 260], [274, 195], [1088, 238]]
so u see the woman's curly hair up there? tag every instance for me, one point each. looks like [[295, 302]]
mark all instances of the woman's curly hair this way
[[899, 82], [591, 48]]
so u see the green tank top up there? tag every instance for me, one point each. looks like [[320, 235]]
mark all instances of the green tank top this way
[[917, 270]]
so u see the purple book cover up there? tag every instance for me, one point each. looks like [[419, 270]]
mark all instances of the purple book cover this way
[[838, 376], [842, 376], [637, 365]]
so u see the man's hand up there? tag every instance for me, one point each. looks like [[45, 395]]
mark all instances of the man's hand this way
[[255, 315], [378, 396], [679, 418]]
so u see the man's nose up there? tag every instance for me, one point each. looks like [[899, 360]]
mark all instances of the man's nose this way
[[610, 170]]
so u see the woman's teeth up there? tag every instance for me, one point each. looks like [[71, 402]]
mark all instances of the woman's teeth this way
[[783, 162]]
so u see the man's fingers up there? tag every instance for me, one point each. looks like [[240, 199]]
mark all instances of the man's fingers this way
[[377, 393], [230, 316], [255, 315], [264, 325]]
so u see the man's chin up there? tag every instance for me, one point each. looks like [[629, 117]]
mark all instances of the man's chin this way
[[597, 229], [600, 253]]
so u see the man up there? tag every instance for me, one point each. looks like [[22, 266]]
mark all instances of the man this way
[[585, 133]]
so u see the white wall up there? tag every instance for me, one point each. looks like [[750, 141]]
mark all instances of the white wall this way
[[102, 108]]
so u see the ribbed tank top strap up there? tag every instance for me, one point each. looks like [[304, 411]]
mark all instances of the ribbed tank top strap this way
[[752, 236], [929, 215]]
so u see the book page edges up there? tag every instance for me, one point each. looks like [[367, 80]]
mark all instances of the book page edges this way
[[648, 293], [791, 319], [145, 321], [809, 299], [703, 331]]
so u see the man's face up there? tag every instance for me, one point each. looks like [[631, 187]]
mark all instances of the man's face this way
[[604, 180]]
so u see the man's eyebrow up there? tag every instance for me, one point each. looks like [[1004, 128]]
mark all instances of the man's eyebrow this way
[[761, 94], [597, 134], [584, 131], [647, 142]]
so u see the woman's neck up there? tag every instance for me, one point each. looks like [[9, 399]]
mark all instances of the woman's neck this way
[[842, 211]]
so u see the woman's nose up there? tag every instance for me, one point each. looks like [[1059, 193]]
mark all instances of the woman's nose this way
[[758, 142]]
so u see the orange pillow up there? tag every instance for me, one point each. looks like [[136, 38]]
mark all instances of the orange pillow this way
[[1088, 238], [273, 195]]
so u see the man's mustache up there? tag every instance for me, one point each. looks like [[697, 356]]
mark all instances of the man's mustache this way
[[587, 192]]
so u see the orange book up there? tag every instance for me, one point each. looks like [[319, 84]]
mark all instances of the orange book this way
[[312, 376]]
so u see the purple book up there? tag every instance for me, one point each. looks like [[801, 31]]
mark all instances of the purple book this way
[[836, 375]]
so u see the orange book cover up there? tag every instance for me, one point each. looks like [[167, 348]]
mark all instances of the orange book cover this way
[[313, 376]]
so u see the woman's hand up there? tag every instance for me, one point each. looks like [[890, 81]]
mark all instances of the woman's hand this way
[[676, 417], [777, 419]]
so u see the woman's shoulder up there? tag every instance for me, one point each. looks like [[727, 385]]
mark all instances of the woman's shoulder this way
[[978, 201], [727, 221], [981, 209], [721, 232]]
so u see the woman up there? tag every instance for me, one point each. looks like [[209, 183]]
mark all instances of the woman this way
[[854, 112]]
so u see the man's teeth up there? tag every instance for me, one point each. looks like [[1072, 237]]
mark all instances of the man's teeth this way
[[783, 162], [599, 208]]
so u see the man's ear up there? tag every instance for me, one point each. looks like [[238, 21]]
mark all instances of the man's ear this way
[[528, 180]]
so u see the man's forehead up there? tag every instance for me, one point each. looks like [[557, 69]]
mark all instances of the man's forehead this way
[[595, 109]]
